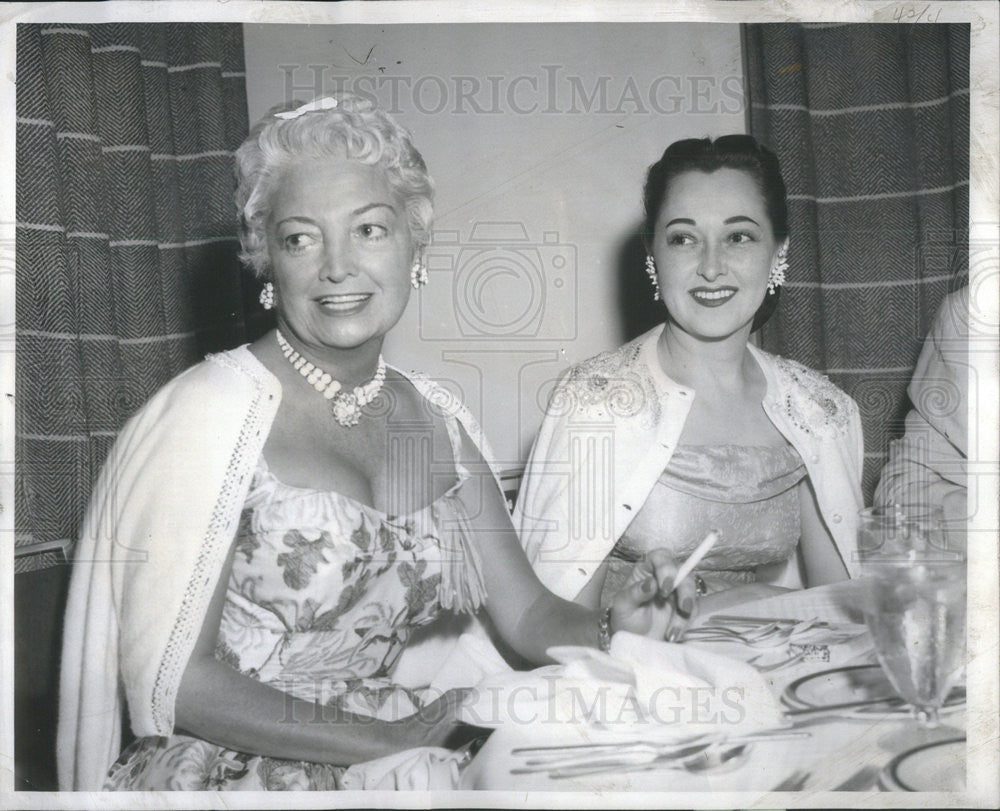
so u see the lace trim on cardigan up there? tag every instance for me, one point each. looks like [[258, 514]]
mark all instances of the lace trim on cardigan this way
[[200, 585]]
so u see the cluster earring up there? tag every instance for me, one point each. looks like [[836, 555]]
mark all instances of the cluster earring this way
[[651, 272], [267, 296], [418, 274], [776, 278]]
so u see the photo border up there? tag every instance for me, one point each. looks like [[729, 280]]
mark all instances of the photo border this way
[[983, 726]]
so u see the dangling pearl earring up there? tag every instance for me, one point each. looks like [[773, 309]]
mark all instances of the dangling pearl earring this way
[[418, 274], [267, 296], [777, 276], [651, 272]]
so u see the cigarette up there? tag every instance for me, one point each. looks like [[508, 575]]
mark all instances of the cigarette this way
[[688, 565]]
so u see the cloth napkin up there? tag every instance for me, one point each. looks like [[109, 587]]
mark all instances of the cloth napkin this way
[[455, 651], [640, 686], [424, 769]]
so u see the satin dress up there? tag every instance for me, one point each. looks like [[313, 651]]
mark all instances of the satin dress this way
[[748, 493]]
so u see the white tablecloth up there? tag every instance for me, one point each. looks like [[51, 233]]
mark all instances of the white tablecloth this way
[[838, 749]]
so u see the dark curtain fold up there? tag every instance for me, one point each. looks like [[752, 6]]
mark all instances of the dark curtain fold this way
[[871, 126], [126, 242]]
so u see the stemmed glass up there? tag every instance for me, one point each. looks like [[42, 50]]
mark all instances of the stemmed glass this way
[[915, 603]]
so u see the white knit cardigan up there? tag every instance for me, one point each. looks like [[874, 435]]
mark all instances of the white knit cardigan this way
[[158, 528]]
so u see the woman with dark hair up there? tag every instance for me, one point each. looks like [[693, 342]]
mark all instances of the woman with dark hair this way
[[690, 427]]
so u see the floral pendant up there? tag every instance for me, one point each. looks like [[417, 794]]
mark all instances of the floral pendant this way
[[346, 410]]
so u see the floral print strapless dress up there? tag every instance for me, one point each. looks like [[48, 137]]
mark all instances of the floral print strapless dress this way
[[323, 596]]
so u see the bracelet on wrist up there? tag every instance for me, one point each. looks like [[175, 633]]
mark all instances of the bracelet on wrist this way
[[604, 630]]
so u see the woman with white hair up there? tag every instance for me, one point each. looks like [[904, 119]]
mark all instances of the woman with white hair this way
[[275, 522]]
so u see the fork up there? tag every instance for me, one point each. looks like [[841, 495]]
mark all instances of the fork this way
[[791, 660], [579, 756], [766, 637], [570, 748], [702, 759]]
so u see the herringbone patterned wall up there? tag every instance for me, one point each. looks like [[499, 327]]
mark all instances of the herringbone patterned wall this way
[[126, 241], [871, 125]]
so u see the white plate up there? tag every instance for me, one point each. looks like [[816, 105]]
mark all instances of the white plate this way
[[936, 766], [845, 684]]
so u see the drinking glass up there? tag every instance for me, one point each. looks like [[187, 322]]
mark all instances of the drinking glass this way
[[915, 603]]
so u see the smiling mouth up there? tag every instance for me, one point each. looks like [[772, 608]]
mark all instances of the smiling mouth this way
[[343, 302], [712, 297]]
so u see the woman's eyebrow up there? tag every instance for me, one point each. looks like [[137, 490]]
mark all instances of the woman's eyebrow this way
[[680, 220], [741, 218], [297, 218], [370, 206]]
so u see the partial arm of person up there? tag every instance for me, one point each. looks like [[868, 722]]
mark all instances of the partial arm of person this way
[[219, 704], [529, 617], [821, 561], [923, 468], [590, 595], [928, 464]]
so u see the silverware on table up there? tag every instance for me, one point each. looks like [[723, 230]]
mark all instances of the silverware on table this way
[[794, 658], [616, 746], [776, 733], [769, 633], [703, 759], [578, 759], [738, 619], [604, 762]]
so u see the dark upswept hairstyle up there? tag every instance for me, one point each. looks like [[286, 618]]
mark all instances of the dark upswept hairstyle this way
[[741, 152]]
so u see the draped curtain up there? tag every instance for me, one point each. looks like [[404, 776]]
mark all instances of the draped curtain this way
[[871, 126], [126, 243]]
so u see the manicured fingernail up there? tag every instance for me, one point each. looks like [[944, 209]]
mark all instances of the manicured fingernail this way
[[649, 585], [687, 606]]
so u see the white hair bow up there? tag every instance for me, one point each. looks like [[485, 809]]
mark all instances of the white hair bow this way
[[325, 103]]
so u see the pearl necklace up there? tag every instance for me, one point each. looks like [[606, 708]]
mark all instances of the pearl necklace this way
[[346, 406]]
